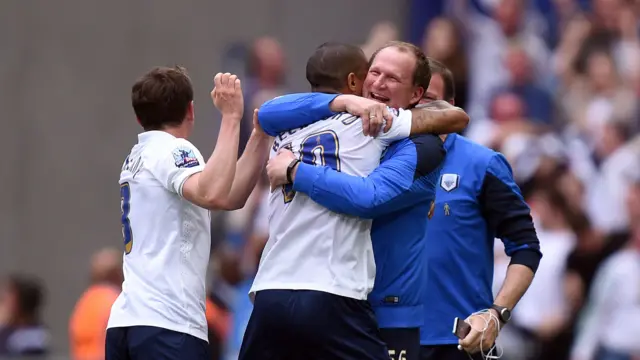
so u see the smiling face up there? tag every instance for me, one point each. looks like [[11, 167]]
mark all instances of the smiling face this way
[[391, 78]]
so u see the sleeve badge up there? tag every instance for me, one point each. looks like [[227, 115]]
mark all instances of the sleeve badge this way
[[184, 157]]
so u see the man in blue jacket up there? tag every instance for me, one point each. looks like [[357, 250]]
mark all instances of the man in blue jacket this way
[[397, 195], [476, 200]]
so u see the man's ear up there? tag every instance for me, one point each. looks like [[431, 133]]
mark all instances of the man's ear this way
[[351, 82], [418, 92], [191, 113]]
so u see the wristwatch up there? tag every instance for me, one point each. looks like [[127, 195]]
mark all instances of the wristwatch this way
[[504, 314], [292, 164]]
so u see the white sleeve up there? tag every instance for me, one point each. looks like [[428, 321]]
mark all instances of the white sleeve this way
[[174, 164], [400, 129]]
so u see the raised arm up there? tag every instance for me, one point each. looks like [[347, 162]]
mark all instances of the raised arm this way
[[292, 111], [397, 183], [210, 186], [250, 165]]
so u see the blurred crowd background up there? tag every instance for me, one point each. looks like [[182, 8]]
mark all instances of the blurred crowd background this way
[[552, 84]]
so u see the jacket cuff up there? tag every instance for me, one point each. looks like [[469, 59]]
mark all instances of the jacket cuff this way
[[527, 257], [305, 177]]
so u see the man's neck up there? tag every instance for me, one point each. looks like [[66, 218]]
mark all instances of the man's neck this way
[[444, 137], [178, 132]]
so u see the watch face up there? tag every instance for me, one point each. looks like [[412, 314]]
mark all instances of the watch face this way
[[506, 315]]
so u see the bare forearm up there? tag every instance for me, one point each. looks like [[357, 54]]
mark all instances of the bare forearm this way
[[339, 104], [216, 179], [515, 284], [438, 117], [249, 168]]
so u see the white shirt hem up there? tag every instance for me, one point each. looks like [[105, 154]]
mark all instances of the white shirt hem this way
[[358, 295], [185, 329]]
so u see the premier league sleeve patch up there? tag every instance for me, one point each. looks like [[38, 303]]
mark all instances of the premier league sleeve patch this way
[[184, 157]]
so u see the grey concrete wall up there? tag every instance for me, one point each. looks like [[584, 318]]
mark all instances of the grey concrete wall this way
[[66, 68]]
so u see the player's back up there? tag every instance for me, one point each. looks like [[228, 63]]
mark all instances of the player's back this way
[[310, 247], [167, 239]]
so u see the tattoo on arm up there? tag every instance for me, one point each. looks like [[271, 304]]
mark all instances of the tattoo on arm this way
[[443, 120]]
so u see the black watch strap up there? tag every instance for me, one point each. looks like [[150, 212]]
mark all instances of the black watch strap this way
[[504, 314], [292, 165]]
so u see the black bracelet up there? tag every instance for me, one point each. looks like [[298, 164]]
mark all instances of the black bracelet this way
[[290, 169]]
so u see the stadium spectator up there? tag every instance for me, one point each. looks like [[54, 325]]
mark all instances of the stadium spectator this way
[[557, 13], [443, 42], [507, 116], [611, 319], [596, 97], [22, 332], [538, 104], [608, 188], [380, 34], [265, 79], [489, 32], [88, 323]]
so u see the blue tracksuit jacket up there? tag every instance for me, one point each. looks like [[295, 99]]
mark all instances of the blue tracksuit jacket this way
[[477, 201], [397, 195]]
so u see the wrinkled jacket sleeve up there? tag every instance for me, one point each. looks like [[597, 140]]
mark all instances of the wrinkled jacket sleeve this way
[[399, 182], [292, 111], [508, 215]]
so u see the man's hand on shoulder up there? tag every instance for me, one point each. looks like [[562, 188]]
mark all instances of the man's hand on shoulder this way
[[227, 96], [374, 114]]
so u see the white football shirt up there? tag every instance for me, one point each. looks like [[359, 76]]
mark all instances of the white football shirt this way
[[167, 239], [310, 247]]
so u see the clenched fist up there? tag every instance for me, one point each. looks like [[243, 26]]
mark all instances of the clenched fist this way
[[227, 96]]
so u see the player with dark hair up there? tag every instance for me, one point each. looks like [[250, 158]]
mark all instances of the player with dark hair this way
[[332, 64], [166, 192]]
